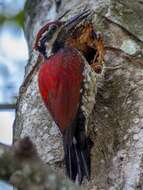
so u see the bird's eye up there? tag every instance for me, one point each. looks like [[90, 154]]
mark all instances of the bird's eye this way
[[52, 28]]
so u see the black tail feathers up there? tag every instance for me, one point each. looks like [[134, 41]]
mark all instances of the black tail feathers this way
[[77, 159]]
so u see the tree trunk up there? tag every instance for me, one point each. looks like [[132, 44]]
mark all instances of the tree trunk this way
[[116, 123]]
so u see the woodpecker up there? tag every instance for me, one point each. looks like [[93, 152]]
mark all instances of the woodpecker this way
[[72, 56]]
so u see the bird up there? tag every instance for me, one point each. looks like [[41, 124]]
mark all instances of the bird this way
[[72, 56]]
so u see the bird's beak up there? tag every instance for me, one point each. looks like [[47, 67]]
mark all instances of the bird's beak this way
[[77, 19]]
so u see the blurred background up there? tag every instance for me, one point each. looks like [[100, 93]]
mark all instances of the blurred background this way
[[13, 58]]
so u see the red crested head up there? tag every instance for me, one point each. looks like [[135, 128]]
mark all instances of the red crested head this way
[[50, 26], [57, 31], [45, 35]]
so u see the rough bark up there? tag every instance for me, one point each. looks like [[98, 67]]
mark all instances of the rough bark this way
[[116, 123], [21, 166]]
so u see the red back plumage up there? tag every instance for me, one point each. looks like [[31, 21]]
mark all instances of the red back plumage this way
[[60, 79]]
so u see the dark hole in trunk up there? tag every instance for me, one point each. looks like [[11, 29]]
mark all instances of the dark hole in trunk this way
[[89, 54]]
